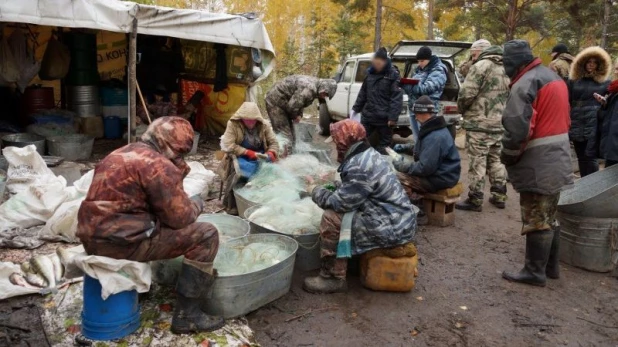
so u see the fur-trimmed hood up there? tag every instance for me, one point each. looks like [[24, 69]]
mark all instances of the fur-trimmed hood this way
[[578, 68]]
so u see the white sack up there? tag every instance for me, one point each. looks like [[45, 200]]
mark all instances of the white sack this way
[[25, 167], [8, 289], [198, 180]]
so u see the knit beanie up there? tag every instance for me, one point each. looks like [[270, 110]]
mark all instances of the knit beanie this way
[[480, 45], [560, 48], [517, 53], [424, 105], [424, 53], [381, 53]]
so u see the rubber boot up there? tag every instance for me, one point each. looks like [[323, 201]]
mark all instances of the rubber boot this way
[[325, 283], [195, 284], [474, 202], [538, 246], [553, 264], [498, 196]]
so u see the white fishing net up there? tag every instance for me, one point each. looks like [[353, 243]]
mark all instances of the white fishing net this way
[[242, 259], [297, 218]]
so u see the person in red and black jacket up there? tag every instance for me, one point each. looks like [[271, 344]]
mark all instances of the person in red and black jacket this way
[[536, 153]]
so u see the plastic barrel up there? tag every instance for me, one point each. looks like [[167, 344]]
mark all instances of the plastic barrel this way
[[110, 319], [112, 127]]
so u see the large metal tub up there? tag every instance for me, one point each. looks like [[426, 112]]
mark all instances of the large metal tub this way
[[242, 204], [23, 140], [71, 147], [229, 227], [308, 254], [593, 196], [235, 296], [589, 243]]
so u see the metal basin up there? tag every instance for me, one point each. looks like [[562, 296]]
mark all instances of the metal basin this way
[[242, 204], [71, 147], [23, 140], [593, 196], [587, 242], [235, 296], [308, 254], [229, 227]]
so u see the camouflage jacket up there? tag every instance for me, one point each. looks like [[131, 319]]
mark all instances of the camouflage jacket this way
[[562, 65], [483, 95], [464, 67], [294, 93]]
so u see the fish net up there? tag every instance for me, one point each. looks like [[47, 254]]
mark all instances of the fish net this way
[[309, 168], [242, 259], [298, 218]]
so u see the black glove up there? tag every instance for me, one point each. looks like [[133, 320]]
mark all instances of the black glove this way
[[508, 160]]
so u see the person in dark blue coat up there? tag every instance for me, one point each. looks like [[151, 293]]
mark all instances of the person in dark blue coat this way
[[436, 164], [605, 142]]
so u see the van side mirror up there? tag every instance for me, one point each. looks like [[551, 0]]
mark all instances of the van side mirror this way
[[337, 77]]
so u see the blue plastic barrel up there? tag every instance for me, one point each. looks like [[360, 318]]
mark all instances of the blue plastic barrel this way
[[113, 127], [114, 96], [110, 319]]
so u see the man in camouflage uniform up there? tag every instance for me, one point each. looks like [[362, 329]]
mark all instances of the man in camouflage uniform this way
[[475, 50], [561, 60], [288, 97], [481, 100]]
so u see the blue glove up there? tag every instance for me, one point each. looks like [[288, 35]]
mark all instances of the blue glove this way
[[400, 148]]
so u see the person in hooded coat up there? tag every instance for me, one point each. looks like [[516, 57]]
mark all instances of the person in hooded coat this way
[[369, 192], [561, 60], [588, 76], [287, 98], [605, 142], [380, 99], [537, 156], [136, 209], [247, 137]]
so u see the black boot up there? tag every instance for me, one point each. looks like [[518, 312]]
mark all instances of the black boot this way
[[193, 287], [553, 264], [498, 196], [538, 245], [474, 202]]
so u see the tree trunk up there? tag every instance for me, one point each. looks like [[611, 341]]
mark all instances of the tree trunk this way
[[511, 20], [479, 26], [606, 15], [430, 4], [378, 33]]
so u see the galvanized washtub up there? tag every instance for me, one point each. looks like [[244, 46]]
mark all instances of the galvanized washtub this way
[[229, 228], [23, 140], [589, 243], [235, 296], [71, 147], [593, 196], [242, 204], [308, 254]]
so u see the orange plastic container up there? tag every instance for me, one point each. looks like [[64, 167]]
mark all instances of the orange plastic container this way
[[388, 274]]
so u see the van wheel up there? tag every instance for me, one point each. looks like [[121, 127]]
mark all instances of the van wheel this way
[[324, 120]]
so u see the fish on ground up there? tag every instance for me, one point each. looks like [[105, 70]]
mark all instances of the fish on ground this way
[[44, 266], [19, 280]]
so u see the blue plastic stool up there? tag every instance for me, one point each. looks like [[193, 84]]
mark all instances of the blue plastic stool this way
[[110, 319]]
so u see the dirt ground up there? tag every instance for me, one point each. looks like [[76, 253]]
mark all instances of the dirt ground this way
[[459, 300]]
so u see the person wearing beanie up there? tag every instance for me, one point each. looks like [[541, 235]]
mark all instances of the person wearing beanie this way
[[431, 74], [475, 50], [561, 60], [537, 156], [481, 101], [436, 164], [380, 99]]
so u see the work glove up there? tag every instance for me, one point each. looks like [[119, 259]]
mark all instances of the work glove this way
[[401, 165], [508, 160], [272, 157], [401, 148], [251, 155]]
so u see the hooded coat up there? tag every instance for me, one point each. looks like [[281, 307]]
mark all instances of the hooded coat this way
[[483, 94], [381, 97], [605, 143], [235, 131], [561, 64], [138, 189], [384, 214], [582, 86], [432, 79]]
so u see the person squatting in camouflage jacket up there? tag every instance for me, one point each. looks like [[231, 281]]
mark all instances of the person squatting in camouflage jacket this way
[[482, 98], [288, 97]]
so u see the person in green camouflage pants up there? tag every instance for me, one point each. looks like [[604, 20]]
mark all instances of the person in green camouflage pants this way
[[481, 100]]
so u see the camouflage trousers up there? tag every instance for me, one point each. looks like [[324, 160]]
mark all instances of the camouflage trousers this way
[[330, 228], [198, 242], [282, 123], [484, 156], [538, 212]]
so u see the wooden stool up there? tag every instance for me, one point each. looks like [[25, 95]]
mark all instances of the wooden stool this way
[[388, 274], [440, 206]]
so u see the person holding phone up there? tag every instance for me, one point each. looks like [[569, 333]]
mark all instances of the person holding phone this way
[[604, 144]]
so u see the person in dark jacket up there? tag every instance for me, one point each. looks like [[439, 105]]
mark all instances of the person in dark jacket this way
[[536, 153], [589, 76], [605, 142], [436, 163], [561, 60], [380, 99]]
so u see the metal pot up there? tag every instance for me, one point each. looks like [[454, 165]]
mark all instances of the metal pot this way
[[23, 140]]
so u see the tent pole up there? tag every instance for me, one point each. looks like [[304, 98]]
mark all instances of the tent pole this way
[[132, 81]]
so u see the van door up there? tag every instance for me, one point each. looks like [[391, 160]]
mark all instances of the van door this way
[[359, 78], [339, 106]]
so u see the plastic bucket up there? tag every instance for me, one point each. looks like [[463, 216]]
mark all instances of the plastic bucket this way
[[110, 319], [112, 127]]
